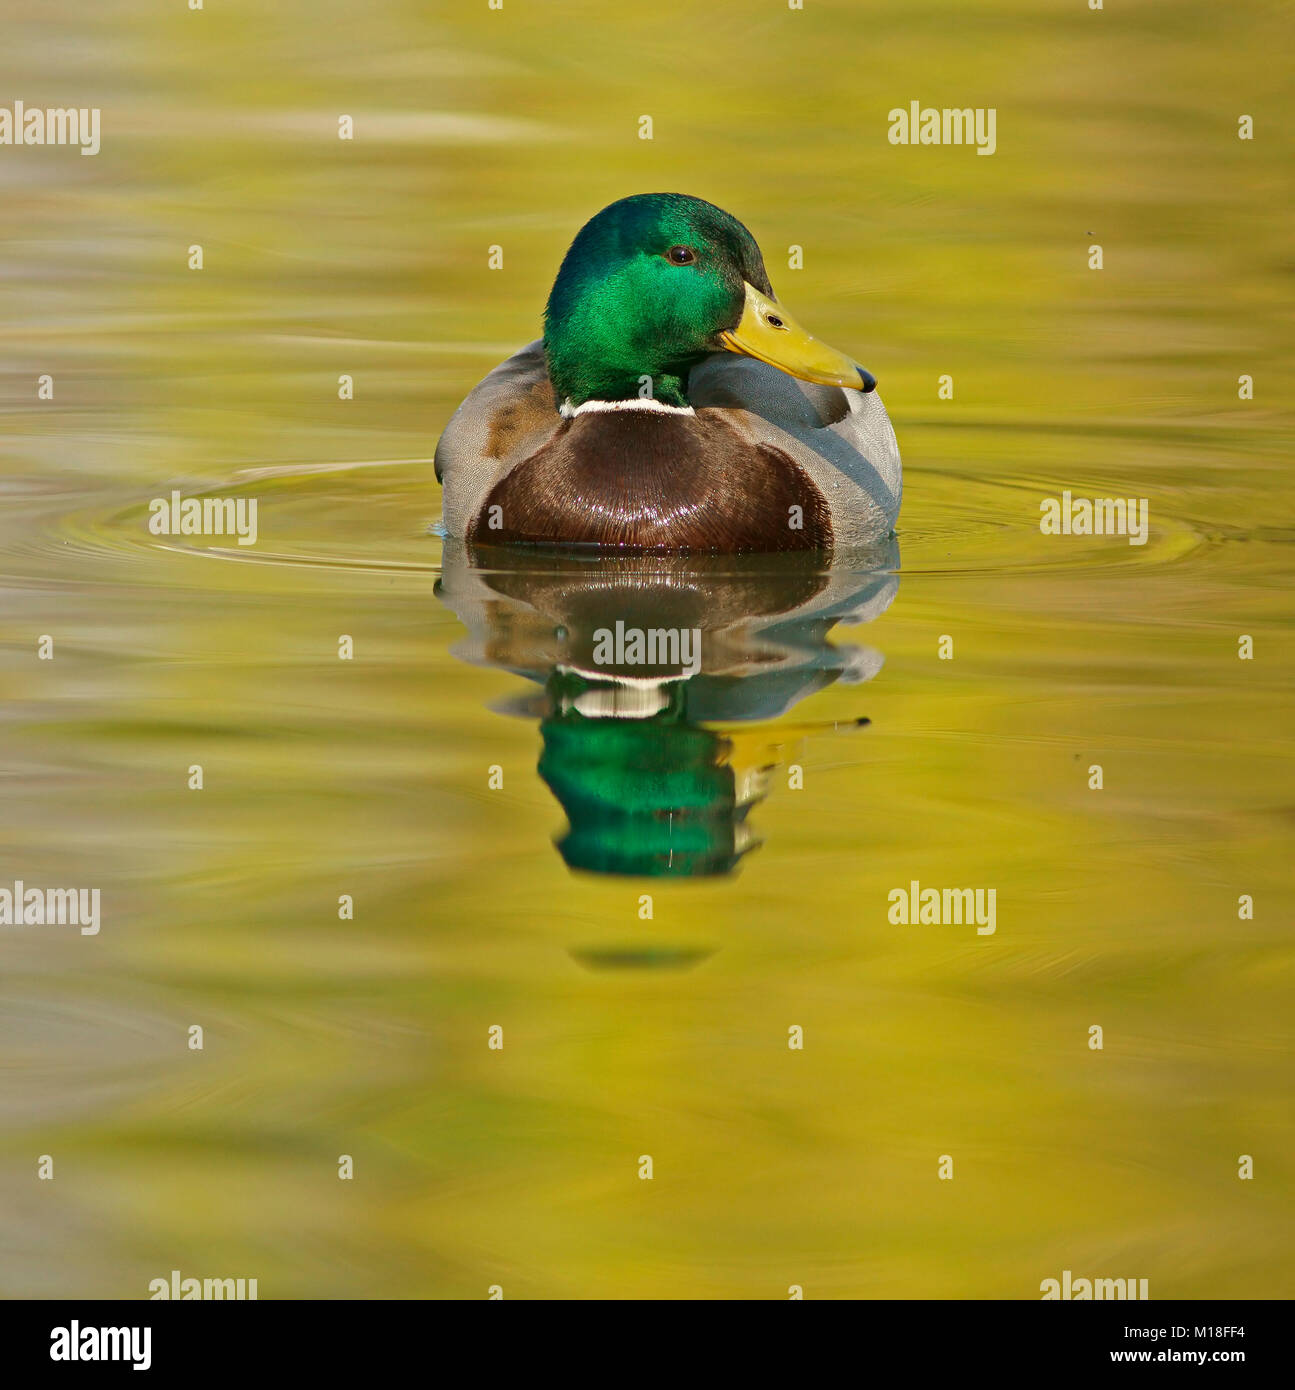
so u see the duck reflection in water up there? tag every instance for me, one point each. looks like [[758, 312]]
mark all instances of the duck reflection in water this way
[[659, 676]]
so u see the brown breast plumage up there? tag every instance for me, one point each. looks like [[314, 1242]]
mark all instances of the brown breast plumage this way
[[645, 480]]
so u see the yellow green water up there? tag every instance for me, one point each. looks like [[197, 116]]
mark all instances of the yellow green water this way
[[624, 1037]]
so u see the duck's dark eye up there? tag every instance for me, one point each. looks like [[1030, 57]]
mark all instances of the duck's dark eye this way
[[681, 255]]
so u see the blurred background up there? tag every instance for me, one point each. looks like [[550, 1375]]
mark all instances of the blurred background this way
[[474, 129]]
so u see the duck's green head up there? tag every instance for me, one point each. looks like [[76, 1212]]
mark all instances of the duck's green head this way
[[655, 283]]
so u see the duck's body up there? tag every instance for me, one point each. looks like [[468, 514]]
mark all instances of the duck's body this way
[[636, 425]]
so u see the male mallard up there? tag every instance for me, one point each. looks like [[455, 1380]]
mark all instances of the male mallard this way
[[633, 425]]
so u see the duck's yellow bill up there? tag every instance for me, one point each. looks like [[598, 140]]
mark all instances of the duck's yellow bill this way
[[768, 333]]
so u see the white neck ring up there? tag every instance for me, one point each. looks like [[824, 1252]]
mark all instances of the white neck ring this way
[[634, 403]]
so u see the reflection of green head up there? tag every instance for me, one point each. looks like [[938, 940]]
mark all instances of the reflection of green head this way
[[650, 797]]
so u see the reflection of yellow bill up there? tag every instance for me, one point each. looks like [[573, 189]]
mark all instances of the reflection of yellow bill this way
[[768, 333], [755, 754]]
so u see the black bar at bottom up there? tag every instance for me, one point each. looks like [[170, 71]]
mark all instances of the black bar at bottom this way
[[335, 1339]]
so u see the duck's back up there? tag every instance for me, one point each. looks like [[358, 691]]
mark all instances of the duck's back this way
[[504, 419]]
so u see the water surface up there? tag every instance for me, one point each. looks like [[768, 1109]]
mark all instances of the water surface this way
[[827, 755]]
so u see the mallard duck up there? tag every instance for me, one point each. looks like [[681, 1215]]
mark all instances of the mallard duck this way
[[672, 405]]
